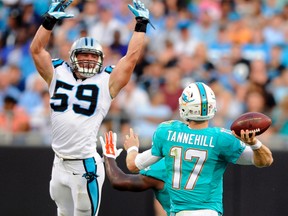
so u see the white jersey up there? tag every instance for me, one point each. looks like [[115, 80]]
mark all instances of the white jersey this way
[[77, 110]]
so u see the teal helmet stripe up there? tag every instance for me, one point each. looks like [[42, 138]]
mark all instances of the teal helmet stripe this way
[[91, 42], [86, 41], [204, 101]]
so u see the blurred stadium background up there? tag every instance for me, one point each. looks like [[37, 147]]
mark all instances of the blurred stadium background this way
[[239, 48]]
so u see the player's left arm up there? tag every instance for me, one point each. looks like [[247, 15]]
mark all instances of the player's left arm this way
[[134, 161], [117, 177], [125, 67], [128, 182], [257, 153]]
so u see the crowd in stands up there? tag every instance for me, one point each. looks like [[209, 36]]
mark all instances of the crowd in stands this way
[[238, 47]]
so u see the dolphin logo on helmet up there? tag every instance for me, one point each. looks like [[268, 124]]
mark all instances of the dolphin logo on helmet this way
[[197, 102]]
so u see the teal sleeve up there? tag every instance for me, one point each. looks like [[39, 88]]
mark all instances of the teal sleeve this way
[[109, 69], [156, 170], [231, 147], [157, 144], [57, 62]]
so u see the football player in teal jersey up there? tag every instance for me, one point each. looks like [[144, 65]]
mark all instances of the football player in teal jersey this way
[[153, 177], [196, 155]]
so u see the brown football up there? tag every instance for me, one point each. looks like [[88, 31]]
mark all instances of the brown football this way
[[253, 121]]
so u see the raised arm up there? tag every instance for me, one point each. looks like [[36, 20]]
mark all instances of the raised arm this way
[[257, 153], [118, 179], [125, 67], [40, 55], [262, 156], [135, 161]]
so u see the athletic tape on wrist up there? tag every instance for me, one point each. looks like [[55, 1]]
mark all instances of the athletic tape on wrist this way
[[256, 146], [141, 25], [49, 22], [135, 148]]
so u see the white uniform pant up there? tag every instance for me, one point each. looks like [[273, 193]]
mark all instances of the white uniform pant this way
[[204, 212], [76, 186]]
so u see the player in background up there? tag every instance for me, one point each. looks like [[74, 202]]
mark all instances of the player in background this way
[[81, 92], [152, 177], [196, 155]]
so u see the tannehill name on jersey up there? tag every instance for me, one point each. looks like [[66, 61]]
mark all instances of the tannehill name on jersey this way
[[189, 138]]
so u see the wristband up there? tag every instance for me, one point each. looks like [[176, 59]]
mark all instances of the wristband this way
[[49, 21], [135, 148], [141, 24], [256, 146]]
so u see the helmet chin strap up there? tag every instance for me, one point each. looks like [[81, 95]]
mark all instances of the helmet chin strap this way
[[77, 75]]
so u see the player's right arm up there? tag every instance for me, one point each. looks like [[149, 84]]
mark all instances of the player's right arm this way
[[255, 152], [41, 57], [262, 156]]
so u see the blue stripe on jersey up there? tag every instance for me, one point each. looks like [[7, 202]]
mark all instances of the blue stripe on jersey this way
[[92, 184], [57, 62], [109, 69], [204, 101]]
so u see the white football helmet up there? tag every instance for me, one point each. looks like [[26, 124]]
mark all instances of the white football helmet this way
[[86, 45], [197, 102]]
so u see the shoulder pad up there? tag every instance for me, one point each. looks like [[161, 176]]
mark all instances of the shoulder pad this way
[[168, 122], [224, 130], [109, 69], [165, 124], [57, 62]]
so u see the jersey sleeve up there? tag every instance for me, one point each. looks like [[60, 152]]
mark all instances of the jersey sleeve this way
[[230, 147], [156, 170], [57, 62], [109, 69], [157, 142]]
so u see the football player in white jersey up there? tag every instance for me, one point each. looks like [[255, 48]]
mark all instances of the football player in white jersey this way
[[81, 92]]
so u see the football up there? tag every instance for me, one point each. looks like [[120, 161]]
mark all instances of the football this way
[[253, 121]]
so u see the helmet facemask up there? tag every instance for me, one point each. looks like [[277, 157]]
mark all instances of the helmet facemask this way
[[86, 68]]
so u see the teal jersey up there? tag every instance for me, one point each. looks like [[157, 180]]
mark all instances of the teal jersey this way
[[195, 161], [158, 171]]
